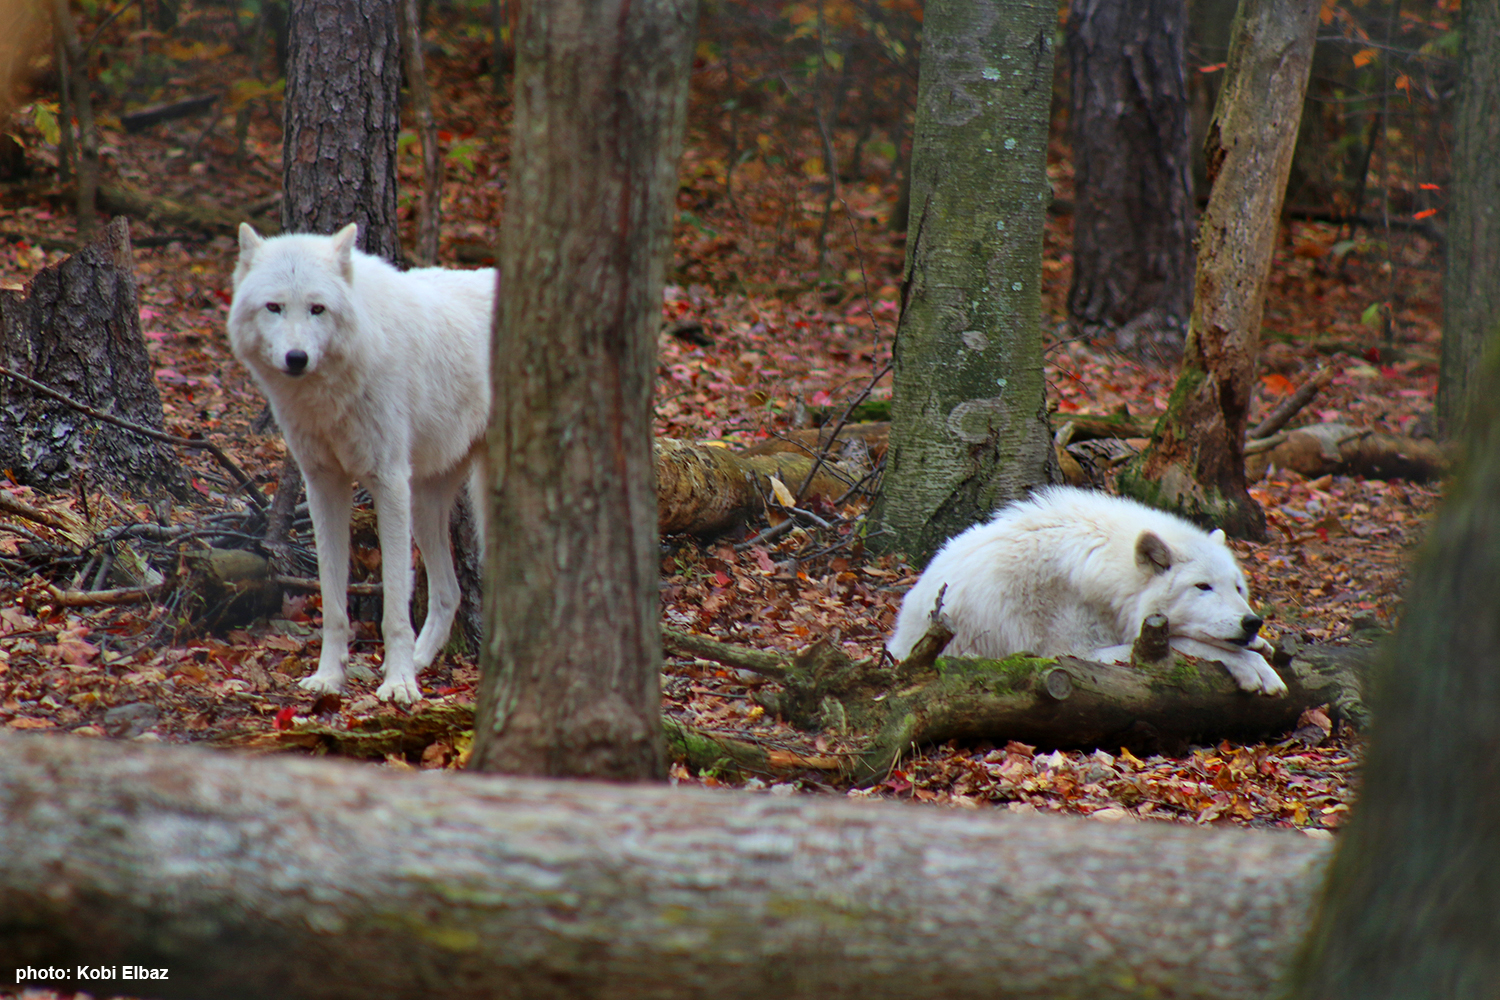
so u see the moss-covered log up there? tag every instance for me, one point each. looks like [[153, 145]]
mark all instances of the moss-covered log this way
[[1063, 702]]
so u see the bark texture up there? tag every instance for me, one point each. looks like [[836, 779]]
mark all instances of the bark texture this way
[[572, 658], [343, 117], [705, 490], [1409, 908], [76, 327], [1471, 281], [1195, 464], [969, 424], [288, 879], [1133, 213]]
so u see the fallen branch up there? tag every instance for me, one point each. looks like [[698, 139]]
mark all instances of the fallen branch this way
[[1292, 405], [704, 490], [95, 598]]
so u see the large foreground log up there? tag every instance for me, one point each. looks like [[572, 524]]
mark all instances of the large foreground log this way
[[292, 878]]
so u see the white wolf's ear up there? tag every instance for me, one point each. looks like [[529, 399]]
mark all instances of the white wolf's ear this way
[[1152, 553], [343, 249], [250, 241], [1218, 536]]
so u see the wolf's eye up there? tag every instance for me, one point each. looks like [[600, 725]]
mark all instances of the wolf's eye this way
[[316, 310], [1205, 586], [274, 307]]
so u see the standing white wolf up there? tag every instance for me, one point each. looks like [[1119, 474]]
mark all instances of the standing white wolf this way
[[1075, 572], [380, 376]]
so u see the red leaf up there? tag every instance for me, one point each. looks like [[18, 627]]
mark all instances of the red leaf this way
[[283, 718]]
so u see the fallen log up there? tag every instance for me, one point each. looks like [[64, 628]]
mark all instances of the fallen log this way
[[289, 878], [1049, 702], [703, 489]]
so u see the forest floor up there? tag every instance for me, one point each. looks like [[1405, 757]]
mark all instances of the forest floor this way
[[785, 339]]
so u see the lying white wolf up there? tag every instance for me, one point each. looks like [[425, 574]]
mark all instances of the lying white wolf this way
[[380, 376], [1075, 572]]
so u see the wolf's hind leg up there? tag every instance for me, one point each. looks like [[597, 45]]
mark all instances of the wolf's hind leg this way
[[432, 504]]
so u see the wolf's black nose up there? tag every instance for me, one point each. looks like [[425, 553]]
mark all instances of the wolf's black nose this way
[[1251, 624], [296, 361]]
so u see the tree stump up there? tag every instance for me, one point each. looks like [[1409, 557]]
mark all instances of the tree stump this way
[[76, 327]]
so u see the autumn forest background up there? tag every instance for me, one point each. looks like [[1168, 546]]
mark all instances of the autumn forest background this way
[[780, 312]]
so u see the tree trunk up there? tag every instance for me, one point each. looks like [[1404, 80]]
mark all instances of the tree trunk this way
[[293, 879], [1409, 908], [76, 327], [572, 658], [1195, 463], [81, 93], [969, 425], [1471, 283], [343, 117], [430, 204], [1133, 211]]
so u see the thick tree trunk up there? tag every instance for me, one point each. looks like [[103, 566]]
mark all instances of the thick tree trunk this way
[[570, 667], [76, 327], [1133, 213], [1410, 906], [1471, 282], [292, 879], [1195, 463], [969, 425], [343, 117]]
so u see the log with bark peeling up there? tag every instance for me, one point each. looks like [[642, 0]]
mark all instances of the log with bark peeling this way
[[1062, 702], [703, 489], [281, 878]]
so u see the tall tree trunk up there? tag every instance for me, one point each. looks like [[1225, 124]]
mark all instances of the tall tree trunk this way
[[292, 879], [1195, 463], [1412, 902], [570, 667], [969, 425], [1471, 283], [343, 117], [1133, 215], [430, 204], [81, 92], [76, 327]]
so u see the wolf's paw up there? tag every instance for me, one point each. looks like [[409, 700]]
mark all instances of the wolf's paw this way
[[321, 683], [401, 690]]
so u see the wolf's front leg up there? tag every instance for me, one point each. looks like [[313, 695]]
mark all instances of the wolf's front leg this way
[[330, 498], [392, 492]]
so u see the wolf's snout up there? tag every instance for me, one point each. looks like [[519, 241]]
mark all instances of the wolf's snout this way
[[296, 364], [1251, 624]]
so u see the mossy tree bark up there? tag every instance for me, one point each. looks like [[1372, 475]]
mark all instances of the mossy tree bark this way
[[1471, 281], [573, 650], [1133, 214], [1195, 463], [1409, 908], [969, 425], [266, 877]]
